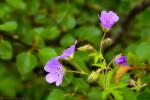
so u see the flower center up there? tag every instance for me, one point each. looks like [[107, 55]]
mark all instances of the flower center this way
[[107, 21], [60, 71]]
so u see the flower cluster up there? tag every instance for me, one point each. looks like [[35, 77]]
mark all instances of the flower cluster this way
[[55, 68]]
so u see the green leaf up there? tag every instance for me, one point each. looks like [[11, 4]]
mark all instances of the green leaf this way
[[45, 54], [146, 78], [118, 95], [94, 94], [9, 86], [52, 32], [102, 65], [26, 62], [97, 57], [143, 51], [8, 26], [128, 94], [143, 96], [80, 64], [40, 31], [35, 36], [5, 10], [67, 40], [5, 50], [33, 6], [56, 94], [18, 4], [73, 98], [104, 95], [105, 80], [89, 33], [143, 18], [80, 85], [81, 2], [125, 78], [2, 70], [69, 23], [109, 77], [67, 79], [131, 58], [101, 80]]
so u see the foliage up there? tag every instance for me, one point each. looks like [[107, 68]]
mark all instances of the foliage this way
[[34, 31]]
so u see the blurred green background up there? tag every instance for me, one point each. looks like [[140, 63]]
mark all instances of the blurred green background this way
[[33, 31]]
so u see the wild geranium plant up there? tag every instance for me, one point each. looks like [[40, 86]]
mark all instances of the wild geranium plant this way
[[107, 75]]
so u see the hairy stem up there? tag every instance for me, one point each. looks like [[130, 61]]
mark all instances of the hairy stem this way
[[72, 71], [101, 43]]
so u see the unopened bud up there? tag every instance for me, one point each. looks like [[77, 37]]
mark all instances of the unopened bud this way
[[87, 47], [107, 41], [93, 77]]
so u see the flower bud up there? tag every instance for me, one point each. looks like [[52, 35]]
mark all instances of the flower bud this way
[[87, 47], [93, 77], [107, 41]]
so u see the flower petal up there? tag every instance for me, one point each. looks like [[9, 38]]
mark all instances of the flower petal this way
[[103, 13], [52, 65], [68, 52], [50, 78], [121, 60], [59, 81]]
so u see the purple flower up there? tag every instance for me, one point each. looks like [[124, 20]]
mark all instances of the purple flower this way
[[108, 19], [121, 60], [55, 71], [68, 52]]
